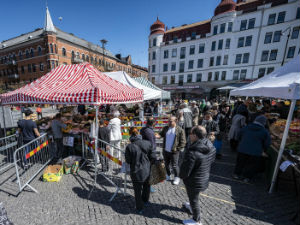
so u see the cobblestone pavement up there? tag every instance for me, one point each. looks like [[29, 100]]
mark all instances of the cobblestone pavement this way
[[226, 201]]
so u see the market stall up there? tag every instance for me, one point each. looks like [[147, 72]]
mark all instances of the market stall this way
[[166, 95], [283, 83]]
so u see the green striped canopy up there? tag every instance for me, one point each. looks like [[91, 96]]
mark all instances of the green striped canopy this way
[[147, 83]]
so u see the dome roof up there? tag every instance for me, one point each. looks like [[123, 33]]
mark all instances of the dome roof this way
[[157, 27], [225, 6]]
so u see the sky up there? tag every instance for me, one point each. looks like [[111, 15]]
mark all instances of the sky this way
[[125, 24]]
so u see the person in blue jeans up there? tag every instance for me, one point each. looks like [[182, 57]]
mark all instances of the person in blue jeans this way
[[27, 129]]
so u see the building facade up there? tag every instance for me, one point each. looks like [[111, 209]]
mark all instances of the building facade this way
[[31, 55], [243, 41]]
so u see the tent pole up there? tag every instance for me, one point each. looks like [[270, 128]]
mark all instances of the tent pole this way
[[282, 145], [3, 117]]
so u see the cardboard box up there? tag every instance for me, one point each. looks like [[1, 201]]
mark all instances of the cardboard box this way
[[53, 173]]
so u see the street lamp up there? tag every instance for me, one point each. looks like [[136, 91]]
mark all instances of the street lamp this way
[[287, 41], [103, 41]]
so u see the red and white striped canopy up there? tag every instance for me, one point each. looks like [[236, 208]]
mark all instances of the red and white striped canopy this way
[[74, 84]]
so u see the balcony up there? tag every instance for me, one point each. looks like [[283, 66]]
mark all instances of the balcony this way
[[76, 61], [11, 63], [13, 76]]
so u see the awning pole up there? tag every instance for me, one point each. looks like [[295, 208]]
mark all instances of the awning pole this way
[[3, 117], [282, 145]]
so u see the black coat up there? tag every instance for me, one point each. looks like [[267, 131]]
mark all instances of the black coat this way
[[138, 155], [196, 164]]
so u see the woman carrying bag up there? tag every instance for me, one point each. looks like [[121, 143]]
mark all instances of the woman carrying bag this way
[[138, 155]]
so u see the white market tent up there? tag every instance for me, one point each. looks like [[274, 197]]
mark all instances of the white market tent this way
[[123, 77], [283, 83]]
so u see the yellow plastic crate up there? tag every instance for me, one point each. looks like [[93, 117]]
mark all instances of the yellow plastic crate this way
[[53, 173]]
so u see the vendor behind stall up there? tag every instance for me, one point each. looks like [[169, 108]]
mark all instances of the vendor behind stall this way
[[56, 127]]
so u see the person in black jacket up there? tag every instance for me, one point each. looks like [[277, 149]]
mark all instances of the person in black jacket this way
[[103, 134], [138, 155], [199, 155]]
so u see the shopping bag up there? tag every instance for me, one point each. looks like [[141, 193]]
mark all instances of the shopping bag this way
[[68, 141], [157, 172]]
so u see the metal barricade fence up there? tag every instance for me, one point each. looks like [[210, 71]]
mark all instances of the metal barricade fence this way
[[7, 147], [30, 159], [109, 162]]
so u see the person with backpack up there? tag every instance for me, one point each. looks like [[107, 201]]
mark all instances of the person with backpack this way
[[139, 154]]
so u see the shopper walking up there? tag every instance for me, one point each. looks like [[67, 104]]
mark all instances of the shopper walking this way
[[173, 142], [115, 134], [195, 112], [195, 170]]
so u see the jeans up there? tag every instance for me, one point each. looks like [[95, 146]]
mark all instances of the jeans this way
[[141, 193], [218, 145], [193, 196], [234, 144], [172, 158], [59, 147]]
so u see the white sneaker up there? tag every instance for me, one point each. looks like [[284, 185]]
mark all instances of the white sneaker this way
[[191, 222], [176, 181], [168, 178], [188, 207]]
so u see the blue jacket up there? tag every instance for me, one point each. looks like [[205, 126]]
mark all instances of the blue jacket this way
[[253, 139]]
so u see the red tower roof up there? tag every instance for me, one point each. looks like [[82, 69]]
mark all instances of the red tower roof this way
[[157, 27], [225, 6]]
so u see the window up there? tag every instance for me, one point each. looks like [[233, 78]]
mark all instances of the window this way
[[92, 61], [227, 44], [172, 79], [271, 19], [41, 67], [215, 30], [248, 41], [64, 52], [217, 75], [243, 25], [51, 48], [153, 68], [181, 67], [39, 50], [199, 77], [165, 80], [261, 72], [182, 52], [154, 42], [88, 59], [268, 37], [200, 63], [246, 57], [222, 28], [22, 69], [27, 53], [298, 13], [270, 70], [291, 52], [83, 57], [20, 56], [229, 29], [277, 35], [73, 54], [209, 76], [213, 46], [201, 48], [192, 49], [238, 59], [273, 54], [165, 68], [223, 76], [211, 61], [193, 36], [295, 33], [241, 42], [243, 74], [173, 66], [180, 80], [281, 17], [29, 68], [218, 61], [264, 56], [236, 74], [31, 53], [166, 54], [55, 48], [189, 78], [153, 55], [175, 39], [191, 64], [33, 67], [153, 80], [225, 60], [220, 45], [174, 52], [251, 23]]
